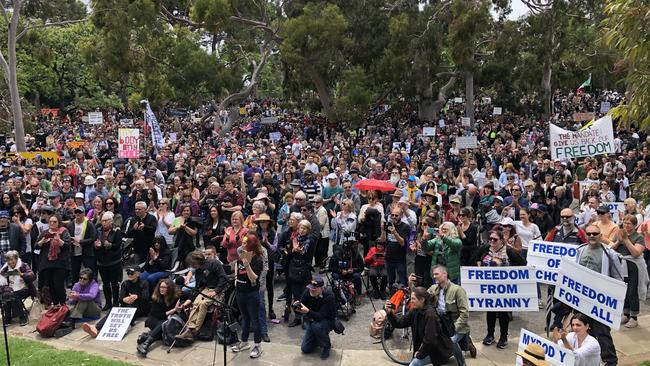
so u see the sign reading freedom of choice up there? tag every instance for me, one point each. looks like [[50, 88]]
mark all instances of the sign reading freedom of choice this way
[[545, 257], [556, 355], [500, 288], [598, 296], [117, 324], [596, 139]]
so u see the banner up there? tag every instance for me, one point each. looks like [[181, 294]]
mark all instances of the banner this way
[[556, 355], [545, 257], [596, 139], [428, 131], [598, 296], [269, 120], [154, 127], [129, 143], [51, 157], [586, 116], [500, 288], [95, 118], [466, 142], [117, 323]]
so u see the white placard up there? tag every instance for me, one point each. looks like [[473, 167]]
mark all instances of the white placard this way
[[596, 139], [95, 118], [441, 123], [428, 131], [605, 107], [268, 120], [128, 143], [465, 121], [458, 100], [117, 324], [615, 209], [556, 355], [275, 136], [486, 100], [173, 137], [126, 122], [466, 142], [545, 257], [500, 288], [497, 111], [598, 296]]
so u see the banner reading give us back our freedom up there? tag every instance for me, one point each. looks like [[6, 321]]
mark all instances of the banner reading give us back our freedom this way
[[596, 139]]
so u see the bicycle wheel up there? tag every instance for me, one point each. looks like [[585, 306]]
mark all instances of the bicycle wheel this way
[[397, 343]]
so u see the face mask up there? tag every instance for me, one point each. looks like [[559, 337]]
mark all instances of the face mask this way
[[123, 188]]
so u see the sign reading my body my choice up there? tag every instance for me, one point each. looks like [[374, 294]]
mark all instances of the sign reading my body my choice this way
[[545, 257], [556, 355], [598, 296], [500, 288]]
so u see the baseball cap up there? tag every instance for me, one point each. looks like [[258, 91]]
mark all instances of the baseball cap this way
[[412, 178], [331, 176], [79, 209], [316, 282], [602, 209], [79, 195]]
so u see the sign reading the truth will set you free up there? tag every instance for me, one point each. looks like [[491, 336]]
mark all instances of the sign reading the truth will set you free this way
[[555, 354], [500, 288], [595, 139], [117, 324], [545, 257], [598, 296]]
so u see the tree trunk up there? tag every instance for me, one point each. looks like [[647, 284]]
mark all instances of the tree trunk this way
[[324, 94], [426, 111], [546, 91], [442, 93], [12, 79], [469, 96]]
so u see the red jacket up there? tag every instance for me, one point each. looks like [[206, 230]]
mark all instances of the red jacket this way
[[373, 261]]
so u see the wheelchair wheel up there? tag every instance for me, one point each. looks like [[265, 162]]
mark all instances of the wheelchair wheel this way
[[397, 343], [231, 300]]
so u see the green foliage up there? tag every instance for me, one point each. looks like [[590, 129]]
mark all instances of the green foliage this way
[[31, 353], [353, 96]]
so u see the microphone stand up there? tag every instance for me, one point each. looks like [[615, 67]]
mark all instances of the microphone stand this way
[[4, 301], [226, 322]]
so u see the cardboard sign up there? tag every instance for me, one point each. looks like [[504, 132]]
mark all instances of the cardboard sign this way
[[605, 107], [586, 116], [275, 136], [545, 257], [596, 139], [497, 111], [466, 142], [500, 288], [117, 324], [269, 120], [556, 355], [598, 296], [465, 121], [129, 143], [51, 157], [428, 131], [95, 118]]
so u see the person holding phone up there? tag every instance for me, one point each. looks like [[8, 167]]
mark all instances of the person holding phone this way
[[585, 347], [422, 265], [377, 273], [445, 246]]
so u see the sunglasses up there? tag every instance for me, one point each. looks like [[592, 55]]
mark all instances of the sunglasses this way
[[593, 234], [567, 217], [129, 273], [494, 240], [83, 279]]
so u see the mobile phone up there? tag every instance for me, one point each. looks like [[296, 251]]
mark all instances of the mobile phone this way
[[432, 230], [418, 279]]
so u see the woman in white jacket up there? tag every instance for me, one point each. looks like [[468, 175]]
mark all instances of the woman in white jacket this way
[[586, 349]]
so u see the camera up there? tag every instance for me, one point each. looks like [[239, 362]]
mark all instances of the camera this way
[[296, 305], [388, 225]]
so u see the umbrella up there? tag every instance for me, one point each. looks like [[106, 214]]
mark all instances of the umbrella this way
[[375, 185]]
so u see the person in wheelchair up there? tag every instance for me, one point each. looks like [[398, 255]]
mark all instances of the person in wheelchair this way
[[346, 264]]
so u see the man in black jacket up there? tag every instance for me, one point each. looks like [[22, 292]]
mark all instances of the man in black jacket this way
[[318, 307], [210, 280], [396, 236], [83, 234], [142, 228], [11, 236]]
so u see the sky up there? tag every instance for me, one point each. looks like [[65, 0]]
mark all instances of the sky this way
[[518, 9]]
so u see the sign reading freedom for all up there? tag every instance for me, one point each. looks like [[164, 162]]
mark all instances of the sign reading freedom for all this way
[[598, 296], [117, 324], [594, 140], [545, 257], [129, 143], [500, 288], [555, 355]]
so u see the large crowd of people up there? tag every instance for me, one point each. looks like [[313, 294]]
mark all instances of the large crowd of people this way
[[268, 202]]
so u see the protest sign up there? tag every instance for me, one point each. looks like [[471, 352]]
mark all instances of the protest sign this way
[[466, 142], [268, 120], [51, 157], [126, 122], [47, 111], [556, 355], [545, 257], [615, 209], [173, 136], [275, 136], [95, 118], [428, 131], [441, 123], [497, 111], [117, 324], [486, 100], [458, 100], [605, 107], [586, 116], [76, 144], [465, 121], [598, 296], [595, 139], [129, 143], [500, 288]]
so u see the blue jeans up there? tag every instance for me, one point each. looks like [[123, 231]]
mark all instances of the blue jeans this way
[[153, 278], [316, 334], [393, 268], [264, 327], [417, 362], [249, 304], [458, 352]]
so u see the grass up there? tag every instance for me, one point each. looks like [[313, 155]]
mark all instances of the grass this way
[[32, 353]]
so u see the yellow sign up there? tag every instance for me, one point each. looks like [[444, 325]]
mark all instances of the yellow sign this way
[[51, 157]]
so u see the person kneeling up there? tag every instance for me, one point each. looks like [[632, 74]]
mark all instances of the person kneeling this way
[[85, 298], [430, 345], [134, 293], [318, 307], [164, 303]]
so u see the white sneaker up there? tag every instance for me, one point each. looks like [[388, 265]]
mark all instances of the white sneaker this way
[[632, 323], [625, 319], [241, 346], [256, 351]]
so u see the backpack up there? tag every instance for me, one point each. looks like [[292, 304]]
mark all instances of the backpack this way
[[372, 224], [206, 332], [171, 328], [227, 335], [377, 323], [51, 320]]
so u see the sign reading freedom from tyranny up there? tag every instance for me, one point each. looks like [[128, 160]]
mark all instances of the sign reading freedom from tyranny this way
[[500, 288], [594, 140]]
